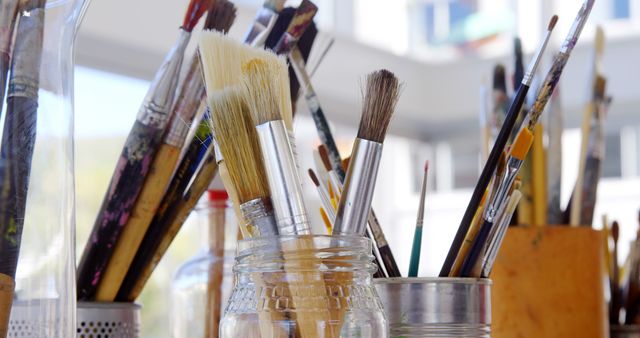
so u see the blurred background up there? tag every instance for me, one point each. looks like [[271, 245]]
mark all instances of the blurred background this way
[[442, 50]]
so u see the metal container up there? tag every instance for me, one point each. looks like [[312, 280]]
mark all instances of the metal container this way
[[625, 331], [436, 307], [94, 319]]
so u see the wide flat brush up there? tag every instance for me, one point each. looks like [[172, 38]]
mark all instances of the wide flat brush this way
[[284, 182], [238, 143], [414, 264], [18, 141], [494, 156], [135, 161], [8, 13], [381, 95], [141, 266], [220, 17]]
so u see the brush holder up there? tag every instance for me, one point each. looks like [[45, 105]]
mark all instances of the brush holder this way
[[94, 319], [304, 286], [436, 307], [625, 331], [37, 221]]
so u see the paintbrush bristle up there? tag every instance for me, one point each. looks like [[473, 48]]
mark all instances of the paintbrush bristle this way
[[598, 42], [552, 23], [221, 15], [222, 58], [380, 98], [195, 11], [324, 156], [238, 142], [615, 231], [261, 79], [499, 78]]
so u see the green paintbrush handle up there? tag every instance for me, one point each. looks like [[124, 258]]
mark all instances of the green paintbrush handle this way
[[415, 252]]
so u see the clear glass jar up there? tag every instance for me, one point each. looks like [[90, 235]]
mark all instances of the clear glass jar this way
[[304, 286], [202, 285], [37, 170]]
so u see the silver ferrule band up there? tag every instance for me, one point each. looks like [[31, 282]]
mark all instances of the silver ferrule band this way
[[157, 104], [260, 27], [513, 166], [25, 65], [283, 179], [355, 202], [259, 213]]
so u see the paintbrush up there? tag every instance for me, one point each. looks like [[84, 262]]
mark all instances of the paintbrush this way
[[498, 197], [220, 17], [500, 99], [494, 156], [503, 224], [483, 120], [538, 178], [142, 265], [324, 197], [468, 239], [614, 316], [263, 23], [135, 161], [554, 160], [238, 143], [18, 141], [259, 76], [381, 95], [417, 236], [594, 155], [8, 13], [334, 180], [589, 124]]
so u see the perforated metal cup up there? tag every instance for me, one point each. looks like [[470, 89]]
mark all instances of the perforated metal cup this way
[[93, 320]]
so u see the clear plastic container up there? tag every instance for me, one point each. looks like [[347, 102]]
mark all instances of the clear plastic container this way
[[201, 286], [304, 286], [437, 307], [37, 171]]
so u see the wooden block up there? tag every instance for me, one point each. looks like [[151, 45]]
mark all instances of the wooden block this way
[[549, 282]]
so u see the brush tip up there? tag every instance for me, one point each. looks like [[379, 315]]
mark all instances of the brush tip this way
[[221, 15], [499, 78], [426, 165], [324, 156], [381, 95], [195, 11], [615, 230], [314, 178], [599, 40], [552, 23]]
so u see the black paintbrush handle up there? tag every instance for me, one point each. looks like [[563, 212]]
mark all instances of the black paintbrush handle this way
[[162, 220], [477, 249], [327, 138], [18, 141], [485, 178]]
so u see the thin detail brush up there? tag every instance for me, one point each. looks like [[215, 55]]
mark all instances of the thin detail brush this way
[[380, 98], [494, 156], [417, 236], [324, 197]]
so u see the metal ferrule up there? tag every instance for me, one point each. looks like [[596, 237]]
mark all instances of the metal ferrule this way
[[8, 9], [27, 51], [499, 198], [286, 43], [283, 178], [576, 28], [262, 25], [355, 202], [498, 233], [186, 105], [157, 104], [259, 214], [535, 62]]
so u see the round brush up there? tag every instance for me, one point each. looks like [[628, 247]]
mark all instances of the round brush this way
[[381, 95]]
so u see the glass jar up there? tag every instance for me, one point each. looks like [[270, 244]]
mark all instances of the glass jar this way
[[437, 307], [37, 213], [304, 286], [201, 286]]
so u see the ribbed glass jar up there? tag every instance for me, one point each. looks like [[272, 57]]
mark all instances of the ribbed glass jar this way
[[437, 307], [201, 286], [304, 286]]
